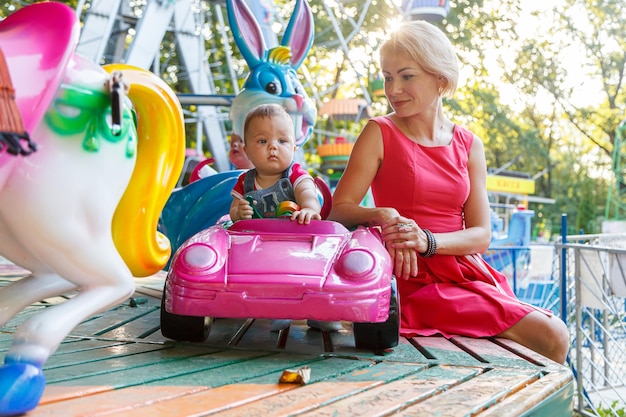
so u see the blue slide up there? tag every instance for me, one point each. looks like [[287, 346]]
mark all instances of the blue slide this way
[[518, 235]]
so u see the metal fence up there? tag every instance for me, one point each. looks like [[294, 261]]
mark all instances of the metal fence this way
[[531, 272], [582, 278], [593, 268]]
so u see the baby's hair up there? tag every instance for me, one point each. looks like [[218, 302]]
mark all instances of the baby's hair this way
[[264, 111]]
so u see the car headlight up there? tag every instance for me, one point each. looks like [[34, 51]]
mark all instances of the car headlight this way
[[197, 257], [356, 264]]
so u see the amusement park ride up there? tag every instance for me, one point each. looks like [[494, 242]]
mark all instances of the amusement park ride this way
[[197, 28], [92, 170], [80, 148]]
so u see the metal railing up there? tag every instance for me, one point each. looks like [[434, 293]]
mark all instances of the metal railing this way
[[582, 278], [530, 271], [593, 268]]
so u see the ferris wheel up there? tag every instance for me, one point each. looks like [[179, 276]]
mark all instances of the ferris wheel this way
[[142, 33]]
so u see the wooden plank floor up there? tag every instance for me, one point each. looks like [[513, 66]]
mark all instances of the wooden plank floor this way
[[118, 364]]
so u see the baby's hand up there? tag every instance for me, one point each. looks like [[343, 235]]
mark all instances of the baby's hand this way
[[305, 215], [244, 209]]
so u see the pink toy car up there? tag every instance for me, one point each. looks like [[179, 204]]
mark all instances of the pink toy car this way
[[279, 269]]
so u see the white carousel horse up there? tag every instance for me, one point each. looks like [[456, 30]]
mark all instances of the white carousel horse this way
[[80, 196]]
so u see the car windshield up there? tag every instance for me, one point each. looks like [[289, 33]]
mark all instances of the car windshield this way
[[272, 226]]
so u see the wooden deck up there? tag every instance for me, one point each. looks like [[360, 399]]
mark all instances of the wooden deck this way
[[119, 364]]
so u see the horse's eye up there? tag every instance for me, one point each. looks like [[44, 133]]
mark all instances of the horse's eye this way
[[271, 88]]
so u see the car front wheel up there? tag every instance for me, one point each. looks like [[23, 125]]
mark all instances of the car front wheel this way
[[183, 328], [380, 336]]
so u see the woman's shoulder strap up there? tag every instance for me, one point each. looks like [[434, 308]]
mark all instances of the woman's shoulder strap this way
[[465, 136]]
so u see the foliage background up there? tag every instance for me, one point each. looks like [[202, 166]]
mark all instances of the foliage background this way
[[545, 93]]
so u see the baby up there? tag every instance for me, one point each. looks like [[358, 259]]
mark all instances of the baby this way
[[269, 143]]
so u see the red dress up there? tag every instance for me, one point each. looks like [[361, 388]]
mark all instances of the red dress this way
[[451, 295]]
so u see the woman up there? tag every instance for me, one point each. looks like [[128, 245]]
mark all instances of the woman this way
[[428, 178]]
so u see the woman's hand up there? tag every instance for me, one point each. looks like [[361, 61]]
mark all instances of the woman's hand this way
[[383, 215], [402, 233], [404, 240], [404, 262]]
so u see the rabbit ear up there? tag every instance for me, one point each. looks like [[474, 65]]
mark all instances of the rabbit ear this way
[[299, 33], [246, 32]]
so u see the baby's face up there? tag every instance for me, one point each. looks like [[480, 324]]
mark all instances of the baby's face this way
[[270, 144]]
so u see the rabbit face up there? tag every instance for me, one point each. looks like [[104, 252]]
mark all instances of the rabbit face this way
[[273, 77], [279, 85]]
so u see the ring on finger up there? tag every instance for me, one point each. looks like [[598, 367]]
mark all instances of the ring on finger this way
[[404, 227]]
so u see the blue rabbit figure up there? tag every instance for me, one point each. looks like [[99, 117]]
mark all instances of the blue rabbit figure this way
[[273, 72]]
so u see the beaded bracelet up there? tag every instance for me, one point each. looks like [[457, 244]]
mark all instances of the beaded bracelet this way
[[432, 245]]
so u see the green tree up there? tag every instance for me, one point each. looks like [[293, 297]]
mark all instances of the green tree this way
[[601, 37], [587, 207], [517, 93], [592, 32]]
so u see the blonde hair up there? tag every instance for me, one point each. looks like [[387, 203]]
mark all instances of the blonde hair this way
[[429, 47], [264, 111]]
